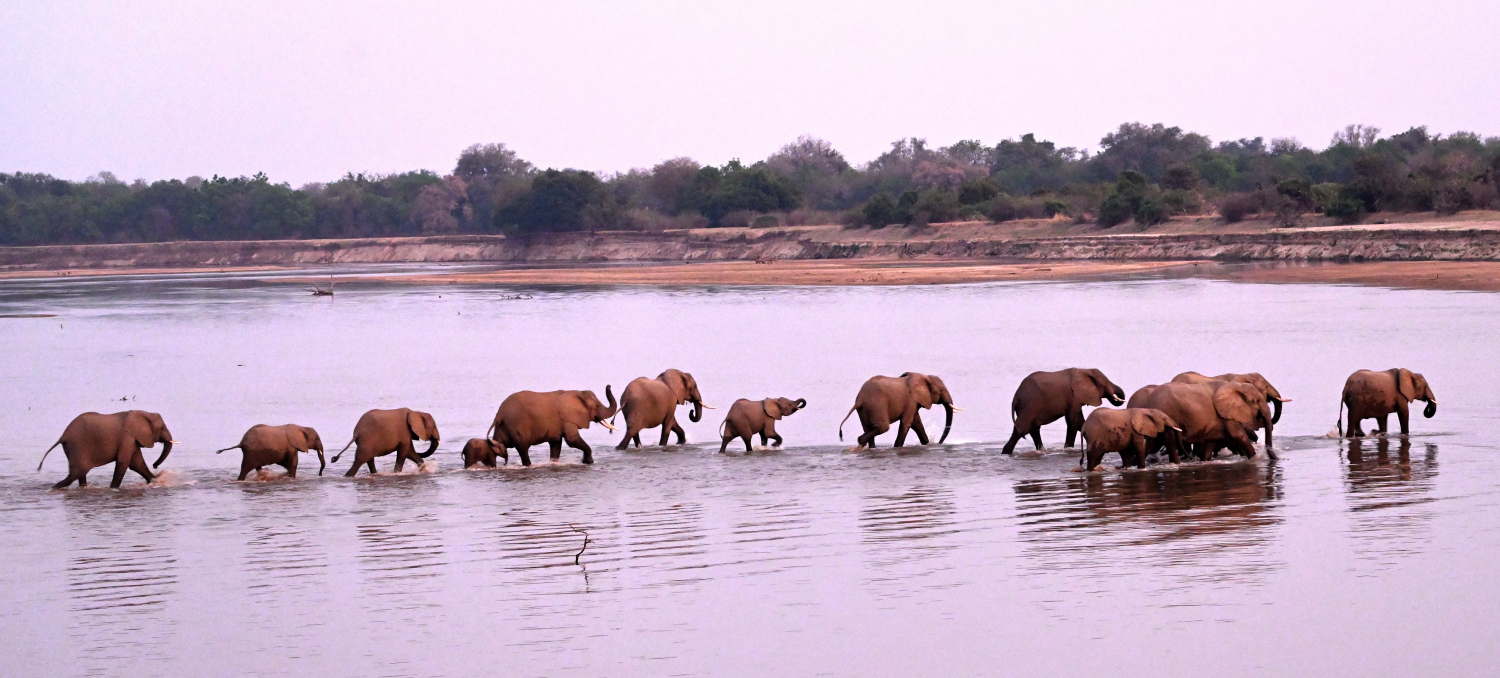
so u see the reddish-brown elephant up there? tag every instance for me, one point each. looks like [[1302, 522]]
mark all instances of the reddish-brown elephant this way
[[883, 400], [529, 418], [92, 440]]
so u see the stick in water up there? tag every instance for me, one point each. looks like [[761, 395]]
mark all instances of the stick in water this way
[[585, 544]]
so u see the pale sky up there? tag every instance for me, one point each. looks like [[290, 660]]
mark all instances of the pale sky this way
[[159, 90]]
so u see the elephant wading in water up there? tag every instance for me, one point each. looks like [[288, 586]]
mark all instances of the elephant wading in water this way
[[381, 432], [1272, 395], [1045, 397], [883, 400], [749, 417], [1134, 433], [264, 445], [1212, 415], [482, 451], [529, 418], [648, 403], [92, 440], [1375, 395]]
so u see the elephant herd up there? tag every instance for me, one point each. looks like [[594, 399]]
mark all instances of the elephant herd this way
[[1190, 416]]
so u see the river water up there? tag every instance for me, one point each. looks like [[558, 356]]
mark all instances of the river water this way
[[1367, 559]]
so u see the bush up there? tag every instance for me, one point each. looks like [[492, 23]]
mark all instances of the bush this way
[[1113, 211], [1182, 177], [737, 219], [1150, 212], [1236, 206], [765, 221], [1346, 210], [935, 206], [879, 211], [1179, 202], [1053, 207], [978, 191]]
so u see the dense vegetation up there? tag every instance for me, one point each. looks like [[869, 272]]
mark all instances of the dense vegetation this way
[[1142, 173]]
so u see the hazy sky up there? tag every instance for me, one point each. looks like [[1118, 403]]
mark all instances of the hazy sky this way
[[156, 90]]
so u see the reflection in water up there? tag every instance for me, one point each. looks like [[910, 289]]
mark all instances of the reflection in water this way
[[1388, 498], [1204, 522], [122, 576], [905, 533]]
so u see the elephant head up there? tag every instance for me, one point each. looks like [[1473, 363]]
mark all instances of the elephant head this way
[[148, 429], [1413, 386], [423, 428], [776, 408], [686, 389], [926, 390], [1090, 386], [599, 411], [1245, 405], [304, 439], [1272, 395]]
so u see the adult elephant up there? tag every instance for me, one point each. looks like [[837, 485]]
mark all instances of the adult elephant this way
[[381, 432], [1272, 395], [92, 440], [1375, 395], [264, 445], [529, 418], [648, 403], [1212, 415], [1134, 433], [883, 400], [1045, 397], [748, 417]]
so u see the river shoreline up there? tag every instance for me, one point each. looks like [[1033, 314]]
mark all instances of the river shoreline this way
[[1458, 253]]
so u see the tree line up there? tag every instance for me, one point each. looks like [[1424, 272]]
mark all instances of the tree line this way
[[1141, 173]]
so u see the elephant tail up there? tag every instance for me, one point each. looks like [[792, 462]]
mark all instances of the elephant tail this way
[[335, 458], [44, 454], [231, 447], [846, 418], [721, 427], [1339, 423]]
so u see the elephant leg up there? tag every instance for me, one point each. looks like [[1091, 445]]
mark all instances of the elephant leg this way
[[724, 445], [1074, 421], [121, 465], [917, 428], [554, 447], [1036, 437], [776, 437], [637, 440], [1380, 423], [523, 452], [371, 464], [576, 442], [749, 441], [138, 464], [72, 476], [901, 428], [246, 468], [1402, 417], [631, 432], [291, 466], [1015, 436]]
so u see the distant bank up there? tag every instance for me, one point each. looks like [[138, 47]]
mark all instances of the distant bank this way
[[1472, 237]]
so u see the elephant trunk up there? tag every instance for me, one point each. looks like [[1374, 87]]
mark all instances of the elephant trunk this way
[[321, 464], [947, 421], [166, 449], [1276, 414], [613, 406], [801, 403], [697, 412], [430, 448], [1269, 421], [1431, 408]]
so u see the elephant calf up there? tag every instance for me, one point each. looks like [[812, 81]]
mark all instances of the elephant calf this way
[[264, 445], [1133, 432], [381, 432], [481, 451], [749, 417], [1375, 395], [883, 400]]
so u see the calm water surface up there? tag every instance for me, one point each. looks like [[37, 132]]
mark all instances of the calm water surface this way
[[1370, 559]]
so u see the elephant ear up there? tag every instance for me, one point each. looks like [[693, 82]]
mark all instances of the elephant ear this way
[[771, 407], [416, 421], [921, 390], [1236, 402], [1405, 385], [138, 427], [1086, 390], [677, 381], [297, 437]]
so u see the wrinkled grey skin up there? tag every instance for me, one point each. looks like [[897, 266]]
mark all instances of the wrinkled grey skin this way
[[264, 445], [92, 440], [747, 418]]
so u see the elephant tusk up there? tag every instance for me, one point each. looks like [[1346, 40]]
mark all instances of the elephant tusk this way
[[172, 442], [605, 424], [708, 407], [1285, 400], [1433, 401], [957, 408], [1174, 428]]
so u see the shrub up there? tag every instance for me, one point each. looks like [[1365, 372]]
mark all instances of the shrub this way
[[1002, 208], [1113, 211], [978, 191], [1236, 206], [765, 221], [935, 206], [1181, 176], [1053, 207], [879, 211], [1346, 210], [1150, 212], [1178, 201]]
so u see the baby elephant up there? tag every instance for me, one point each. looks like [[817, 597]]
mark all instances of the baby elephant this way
[[1133, 432], [265, 445], [481, 451], [749, 417]]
